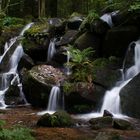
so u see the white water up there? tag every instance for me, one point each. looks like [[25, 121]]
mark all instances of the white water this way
[[68, 70], [107, 18], [56, 101], [111, 101], [12, 64], [51, 50]]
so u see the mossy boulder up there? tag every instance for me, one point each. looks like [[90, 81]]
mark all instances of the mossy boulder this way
[[58, 119], [38, 81], [105, 71], [101, 122], [122, 124], [87, 40]]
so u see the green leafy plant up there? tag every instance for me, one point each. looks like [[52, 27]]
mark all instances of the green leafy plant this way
[[16, 133], [80, 63]]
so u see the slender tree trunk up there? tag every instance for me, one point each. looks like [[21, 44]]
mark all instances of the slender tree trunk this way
[[41, 8]]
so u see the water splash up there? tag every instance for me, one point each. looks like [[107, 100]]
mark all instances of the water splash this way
[[10, 73]]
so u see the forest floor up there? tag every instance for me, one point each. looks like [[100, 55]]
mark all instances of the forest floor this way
[[27, 116]]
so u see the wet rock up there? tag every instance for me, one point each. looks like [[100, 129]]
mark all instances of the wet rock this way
[[25, 62], [112, 46], [67, 38], [38, 52], [130, 99], [107, 113], [101, 122], [37, 83], [13, 97], [122, 124], [58, 119]]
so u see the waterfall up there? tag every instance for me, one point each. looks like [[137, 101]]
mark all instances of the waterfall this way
[[10, 75], [51, 50], [68, 71], [111, 101], [55, 99], [108, 18], [55, 102]]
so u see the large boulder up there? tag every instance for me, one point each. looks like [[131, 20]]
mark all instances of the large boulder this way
[[130, 98], [88, 39], [37, 83], [67, 38], [117, 40]]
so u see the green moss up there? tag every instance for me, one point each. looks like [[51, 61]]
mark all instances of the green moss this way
[[36, 29]]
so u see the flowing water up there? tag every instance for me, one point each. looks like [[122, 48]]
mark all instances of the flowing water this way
[[108, 18], [9, 74], [55, 102], [68, 70], [111, 101], [51, 50]]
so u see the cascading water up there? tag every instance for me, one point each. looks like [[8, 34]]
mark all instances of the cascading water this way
[[68, 71], [11, 67], [51, 50], [111, 101], [55, 102], [108, 18]]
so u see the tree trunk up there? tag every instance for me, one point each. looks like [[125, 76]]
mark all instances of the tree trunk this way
[[41, 8]]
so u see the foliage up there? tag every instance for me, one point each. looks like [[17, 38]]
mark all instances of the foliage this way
[[36, 29], [68, 87], [92, 16], [7, 21], [16, 133], [80, 63], [135, 6]]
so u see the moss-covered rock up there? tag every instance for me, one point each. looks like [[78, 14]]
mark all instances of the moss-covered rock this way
[[122, 124], [58, 119], [105, 71], [87, 40]]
